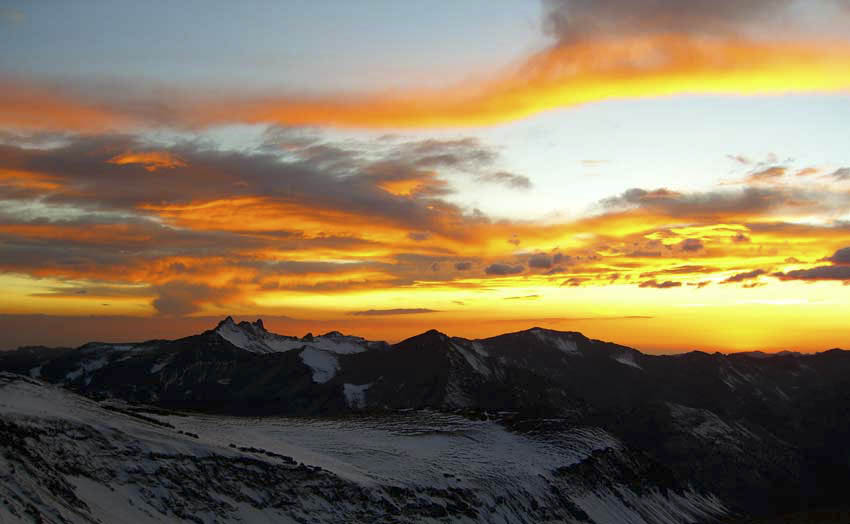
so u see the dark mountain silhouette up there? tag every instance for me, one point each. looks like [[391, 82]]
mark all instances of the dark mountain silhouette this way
[[764, 433]]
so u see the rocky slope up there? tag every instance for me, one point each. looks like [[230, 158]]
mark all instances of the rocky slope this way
[[763, 433], [65, 458]]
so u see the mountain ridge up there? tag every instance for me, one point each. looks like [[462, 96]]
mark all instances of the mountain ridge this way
[[258, 323], [761, 433]]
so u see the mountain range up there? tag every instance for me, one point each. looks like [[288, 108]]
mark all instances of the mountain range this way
[[607, 433]]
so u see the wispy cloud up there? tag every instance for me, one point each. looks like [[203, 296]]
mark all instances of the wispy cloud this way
[[199, 228], [747, 275], [660, 285], [839, 270], [524, 297]]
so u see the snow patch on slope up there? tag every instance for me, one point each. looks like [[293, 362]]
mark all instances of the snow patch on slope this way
[[156, 368], [706, 425], [87, 367], [557, 340], [254, 337], [323, 363], [228, 469], [340, 344], [627, 358]]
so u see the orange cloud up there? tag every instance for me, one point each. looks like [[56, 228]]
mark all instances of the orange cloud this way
[[29, 106], [307, 242], [565, 75], [150, 160], [27, 180]]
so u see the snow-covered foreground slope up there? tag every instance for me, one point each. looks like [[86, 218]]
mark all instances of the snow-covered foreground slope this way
[[65, 458]]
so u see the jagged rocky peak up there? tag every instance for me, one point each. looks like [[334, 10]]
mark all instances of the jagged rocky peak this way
[[253, 336], [256, 327], [227, 322]]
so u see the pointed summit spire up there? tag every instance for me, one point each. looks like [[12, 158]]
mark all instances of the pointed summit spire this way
[[226, 322]]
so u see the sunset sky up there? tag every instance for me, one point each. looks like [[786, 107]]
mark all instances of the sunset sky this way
[[664, 174]]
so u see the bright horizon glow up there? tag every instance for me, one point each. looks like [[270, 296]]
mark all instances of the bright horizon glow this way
[[666, 190]]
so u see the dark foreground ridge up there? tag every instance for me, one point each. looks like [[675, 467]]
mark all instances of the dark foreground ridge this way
[[746, 434]]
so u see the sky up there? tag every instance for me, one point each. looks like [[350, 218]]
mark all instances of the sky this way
[[667, 175]]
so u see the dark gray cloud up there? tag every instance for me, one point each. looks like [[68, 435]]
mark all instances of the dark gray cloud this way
[[504, 269], [293, 168], [841, 173], [725, 204], [660, 285], [747, 275], [800, 229], [817, 273], [387, 312], [840, 270], [540, 260], [419, 236], [560, 258], [463, 266], [327, 176], [463, 154], [181, 298], [574, 282], [841, 257], [691, 245], [574, 20]]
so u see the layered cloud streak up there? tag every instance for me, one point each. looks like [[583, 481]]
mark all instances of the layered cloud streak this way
[[602, 50]]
